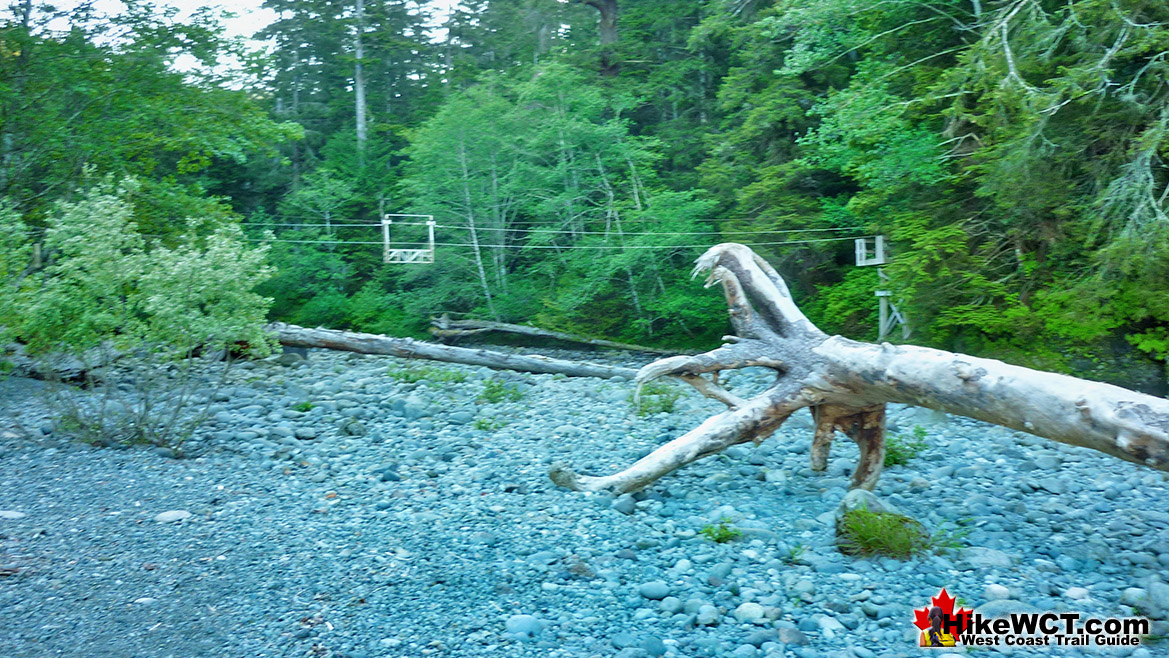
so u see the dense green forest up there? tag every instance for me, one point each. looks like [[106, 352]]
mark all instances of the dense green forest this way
[[578, 156]]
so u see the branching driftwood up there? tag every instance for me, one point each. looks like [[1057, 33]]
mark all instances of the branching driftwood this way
[[445, 328], [294, 336], [848, 383]]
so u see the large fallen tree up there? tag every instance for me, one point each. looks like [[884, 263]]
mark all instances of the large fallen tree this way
[[350, 341], [848, 383], [444, 329]]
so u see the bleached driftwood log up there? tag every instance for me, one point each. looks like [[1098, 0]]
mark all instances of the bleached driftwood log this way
[[445, 328], [848, 383], [294, 336]]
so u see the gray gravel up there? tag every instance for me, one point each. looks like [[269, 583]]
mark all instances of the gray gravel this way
[[413, 519]]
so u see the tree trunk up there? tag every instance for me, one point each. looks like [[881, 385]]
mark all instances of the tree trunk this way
[[359, 83], [408, 348], [474, 233], [447, 328], [608, 30], [848, 383]]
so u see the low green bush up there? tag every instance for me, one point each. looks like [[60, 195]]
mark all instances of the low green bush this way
[[656, 397], [496, 390], [900, 449]]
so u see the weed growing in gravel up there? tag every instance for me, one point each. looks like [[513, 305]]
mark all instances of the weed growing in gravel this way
[[865, 533], [496, 390], [721, 533], [429, 374], [900, 449], [795, 554], [656, 397], [948, 538], [303, 406], [143, 399], [489, 424]]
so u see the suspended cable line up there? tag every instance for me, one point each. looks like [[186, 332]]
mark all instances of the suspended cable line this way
[[568, 232], [552, 246]]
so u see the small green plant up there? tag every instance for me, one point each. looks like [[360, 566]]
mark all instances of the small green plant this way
[[496, 390], [413, 375], [302, 406], [721, 533], [900, 449], [947, 538], [795, 554], [656, 397], [865, 533], [489, 424]]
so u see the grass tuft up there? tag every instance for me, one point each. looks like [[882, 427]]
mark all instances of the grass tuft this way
[[864, 533]]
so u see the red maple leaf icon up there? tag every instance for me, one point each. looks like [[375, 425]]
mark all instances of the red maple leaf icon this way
[[946, 602]]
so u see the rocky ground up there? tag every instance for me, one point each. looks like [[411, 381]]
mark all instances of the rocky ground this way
[[335, 507]]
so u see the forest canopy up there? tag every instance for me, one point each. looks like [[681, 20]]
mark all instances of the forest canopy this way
[[578, 156]]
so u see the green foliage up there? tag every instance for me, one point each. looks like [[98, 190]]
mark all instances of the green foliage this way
[[1012, 154], [950, 538], [496, 390], [795, 554], [434, 374], [656, 397], [76, 100], [489, 424], [900, 449], [722, 532], [105, 285], [864, 533], [303, 407]]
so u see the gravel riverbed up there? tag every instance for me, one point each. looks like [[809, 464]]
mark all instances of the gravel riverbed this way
[[332, 508]]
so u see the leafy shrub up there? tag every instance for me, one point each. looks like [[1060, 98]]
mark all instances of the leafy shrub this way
[[865, 533], [303, 406], [656, 397], [102, 285], [496, 390], [900, 449], [722, 532], [105, 293]]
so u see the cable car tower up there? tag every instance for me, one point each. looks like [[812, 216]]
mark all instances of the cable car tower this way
[[395, 255], [889, 316]]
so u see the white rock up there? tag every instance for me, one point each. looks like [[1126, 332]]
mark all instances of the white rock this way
[[981, 557], [145, 600], [1135, 596], [10, 515], [172, 516], [1077, 593], [996, 593], [829, 623], [708, 615], [749, 613]]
